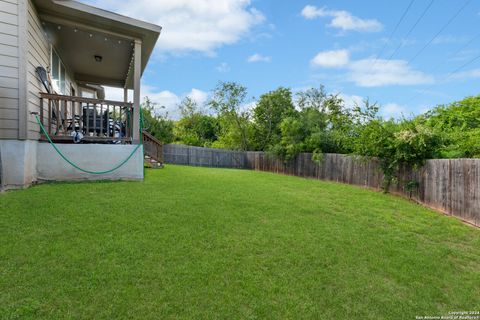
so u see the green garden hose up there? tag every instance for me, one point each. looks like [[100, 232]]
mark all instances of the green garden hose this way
[[84, 170]]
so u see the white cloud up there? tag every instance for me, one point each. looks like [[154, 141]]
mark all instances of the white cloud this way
[[450, 39], [258, 58], [371, 72], [329, 59], [343, 20], [388, 111], [393, 110], [469, 74], [191, 25], [351, 100], [248, 107], [464, 55], [378, 73], [311, 12], [434, 93], [223, 67], [199, 96], [424, 109], [163, 98]]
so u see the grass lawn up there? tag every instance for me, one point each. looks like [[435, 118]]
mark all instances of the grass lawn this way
[[212, 243]]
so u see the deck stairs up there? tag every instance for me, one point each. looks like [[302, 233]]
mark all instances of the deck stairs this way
[[153, 151]]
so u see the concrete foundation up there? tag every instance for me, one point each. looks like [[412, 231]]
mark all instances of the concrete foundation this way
[[93, 157], [26, 162], [19, 159]]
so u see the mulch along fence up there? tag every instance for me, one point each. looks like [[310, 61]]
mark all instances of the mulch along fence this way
[[448, 185]]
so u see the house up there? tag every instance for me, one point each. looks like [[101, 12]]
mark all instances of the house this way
[[55, 56]]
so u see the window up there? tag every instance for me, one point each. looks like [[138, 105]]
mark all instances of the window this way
[[58, 74]]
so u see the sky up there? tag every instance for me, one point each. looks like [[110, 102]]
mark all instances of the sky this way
[[406, 55]]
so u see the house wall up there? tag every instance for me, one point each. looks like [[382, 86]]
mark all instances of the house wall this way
[[19, 160], [9, 69], [23, 47], [94, 157], [39, 54], [20, 27], [30, 161]]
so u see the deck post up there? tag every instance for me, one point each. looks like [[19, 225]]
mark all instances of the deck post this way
[[125, 94], [137, 73]]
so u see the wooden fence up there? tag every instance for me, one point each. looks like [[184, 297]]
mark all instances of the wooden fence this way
[[205, 157], [449, 185]]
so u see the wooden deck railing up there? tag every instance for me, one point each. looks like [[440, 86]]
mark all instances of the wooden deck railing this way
[[101, 121], [152, 147]]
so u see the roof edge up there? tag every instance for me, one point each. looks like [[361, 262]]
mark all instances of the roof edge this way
[[107, 14]]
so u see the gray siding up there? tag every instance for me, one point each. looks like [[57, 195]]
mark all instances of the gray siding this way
[[39, 51], [38, 54], [9, 64], [19, 83]]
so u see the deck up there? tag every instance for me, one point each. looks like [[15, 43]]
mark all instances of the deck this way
[[69, 119]]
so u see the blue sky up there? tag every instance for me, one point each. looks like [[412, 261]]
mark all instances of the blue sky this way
[[347, 46]]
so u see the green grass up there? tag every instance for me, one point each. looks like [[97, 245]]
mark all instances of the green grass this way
[[212, 243]]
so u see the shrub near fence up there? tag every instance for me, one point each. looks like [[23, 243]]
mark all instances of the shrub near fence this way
[[448, 185]]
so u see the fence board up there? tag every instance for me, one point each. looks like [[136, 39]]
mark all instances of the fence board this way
[[449, 185]]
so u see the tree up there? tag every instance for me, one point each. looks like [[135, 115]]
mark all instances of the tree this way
[[415, 143], [195, 128], [268, 113], [312, 98], [329, 123], [228, 100], [156, 123], [292, 139], [314, 116], [377, 139], [459, 124], [394, 144], [322, 125]]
